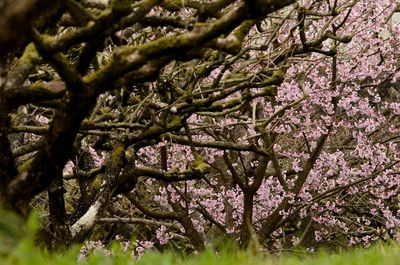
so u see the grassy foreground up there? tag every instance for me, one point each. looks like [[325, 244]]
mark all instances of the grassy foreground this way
[[17, 247], [26, 253]]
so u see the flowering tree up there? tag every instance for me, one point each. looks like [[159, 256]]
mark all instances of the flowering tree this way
[[273, 123]]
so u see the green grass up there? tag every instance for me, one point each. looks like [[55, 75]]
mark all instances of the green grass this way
[[26, 253], [17, 247]]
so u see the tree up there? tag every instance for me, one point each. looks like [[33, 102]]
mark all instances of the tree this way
[[271, 122]]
